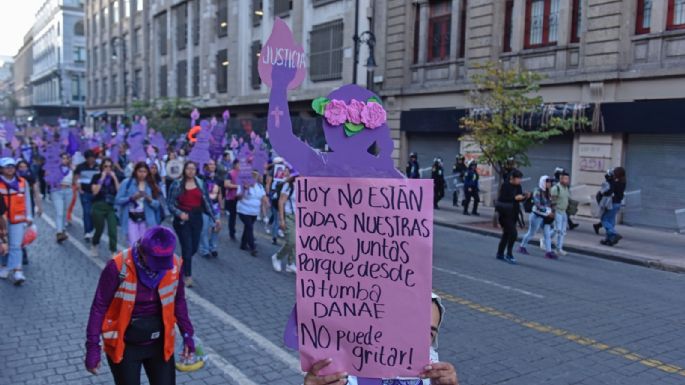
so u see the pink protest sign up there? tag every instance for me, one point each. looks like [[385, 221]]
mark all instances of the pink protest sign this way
[[364, 260], [281, 50]]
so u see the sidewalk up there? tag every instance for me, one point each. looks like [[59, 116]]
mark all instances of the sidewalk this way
[[639, 246]]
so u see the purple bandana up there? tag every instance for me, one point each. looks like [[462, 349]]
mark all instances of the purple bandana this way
[[148, 278]]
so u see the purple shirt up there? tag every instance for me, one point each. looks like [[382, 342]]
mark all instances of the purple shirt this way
[[147, 304]]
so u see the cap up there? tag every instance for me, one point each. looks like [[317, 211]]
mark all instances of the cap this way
[[6, 162], [158, 244], [278, 160]]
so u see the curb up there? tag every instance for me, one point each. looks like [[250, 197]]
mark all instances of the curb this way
[[636, 261]]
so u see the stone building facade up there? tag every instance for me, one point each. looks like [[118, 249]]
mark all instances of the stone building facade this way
[[626, 58], [58, 60], [23, 70], [206, 51]]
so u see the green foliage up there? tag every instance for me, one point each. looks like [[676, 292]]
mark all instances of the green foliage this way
[[169, 116], [506, 97]]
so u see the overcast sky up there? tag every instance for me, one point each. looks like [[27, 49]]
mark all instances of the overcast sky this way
[[16, 17]]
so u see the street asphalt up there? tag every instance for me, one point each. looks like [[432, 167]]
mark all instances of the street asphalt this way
[[578, 320]]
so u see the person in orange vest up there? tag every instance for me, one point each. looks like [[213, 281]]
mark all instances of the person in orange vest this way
[[138, 302], [16, 196]]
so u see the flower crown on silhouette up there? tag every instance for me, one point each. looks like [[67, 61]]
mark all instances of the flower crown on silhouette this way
[[355, 116]]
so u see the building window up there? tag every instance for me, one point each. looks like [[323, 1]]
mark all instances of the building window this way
[[115, 12], [542, 22], [643, 21], [95, 58], [104, 15], [139, 5], [462, 28], [162, 82], [257, 12], [508, 25], [181, 26], [137, 40], [195, 81], [78, 28], [103, 51], [255, 51], [79, 54], [114, 89], [95, 26], [439, 29], [222, 71], [577, 21], [282, 8], [417, 31], [76, 90], [182, 79], [326, 51], [94, 98], [104, 90], [222, 18], [162, 33], [196, 22], [137, 83], [127, 9], [676, 14]]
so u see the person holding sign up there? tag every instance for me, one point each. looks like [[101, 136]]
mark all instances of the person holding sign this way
[[437, 373]]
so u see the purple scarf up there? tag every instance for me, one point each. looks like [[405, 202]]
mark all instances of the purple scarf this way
[[12, 184], [150, 279], [65, 170]]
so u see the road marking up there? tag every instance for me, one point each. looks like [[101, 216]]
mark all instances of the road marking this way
[[546, 329], [216, 360], [488, 282]]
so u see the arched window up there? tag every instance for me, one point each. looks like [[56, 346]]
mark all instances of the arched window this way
[[78, 28]]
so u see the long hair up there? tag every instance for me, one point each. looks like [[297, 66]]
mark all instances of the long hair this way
[[148, 178], [183, 178], [105, 160]]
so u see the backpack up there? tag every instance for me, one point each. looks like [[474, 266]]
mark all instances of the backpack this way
[[528, 205]]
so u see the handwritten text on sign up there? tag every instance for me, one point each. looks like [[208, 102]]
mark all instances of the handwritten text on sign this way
[[364, 257]]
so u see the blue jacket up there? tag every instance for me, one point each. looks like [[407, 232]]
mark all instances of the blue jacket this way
[[127, 189]]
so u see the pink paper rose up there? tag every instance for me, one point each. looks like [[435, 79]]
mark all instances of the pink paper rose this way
[[354, 111], [373, 115], [336, 112]]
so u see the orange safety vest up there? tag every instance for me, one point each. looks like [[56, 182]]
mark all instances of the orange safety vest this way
[[118, 314], [15, 201]]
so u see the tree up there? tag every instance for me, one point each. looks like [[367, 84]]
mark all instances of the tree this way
[[503, 101], [169, 116]]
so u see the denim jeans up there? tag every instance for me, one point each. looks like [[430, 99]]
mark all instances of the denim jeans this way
[[188, 233], [560, 226], [15, 233], [609, 221], [276, 225], [535, 222], [61, 198], [87, 207], [247, 240], [287, 252], [208, 238]]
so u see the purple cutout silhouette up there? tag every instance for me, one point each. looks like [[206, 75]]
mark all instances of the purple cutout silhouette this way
[[53, 172], [158, 141], [135, 143], [200, 152]]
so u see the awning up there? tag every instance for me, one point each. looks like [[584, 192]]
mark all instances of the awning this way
[[432, 120], [662, 116]]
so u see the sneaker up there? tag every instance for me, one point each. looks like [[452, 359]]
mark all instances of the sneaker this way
[[18, 277], [276, 263], [61, 237], [89, 236], [4, 273], [292, 268], [551, 255], [94, 251], [523, 250], [561, 252], [510, 259], [500, 257], [267, 230], [597, 226], [215, 254], [542, 244], [265, 220], [281, 234]]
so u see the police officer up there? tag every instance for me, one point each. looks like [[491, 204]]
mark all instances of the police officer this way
[[438, 176], [413, 167], [459, 172], [471, 188]]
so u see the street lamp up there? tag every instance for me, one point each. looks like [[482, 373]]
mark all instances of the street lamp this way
[[368, 38]]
